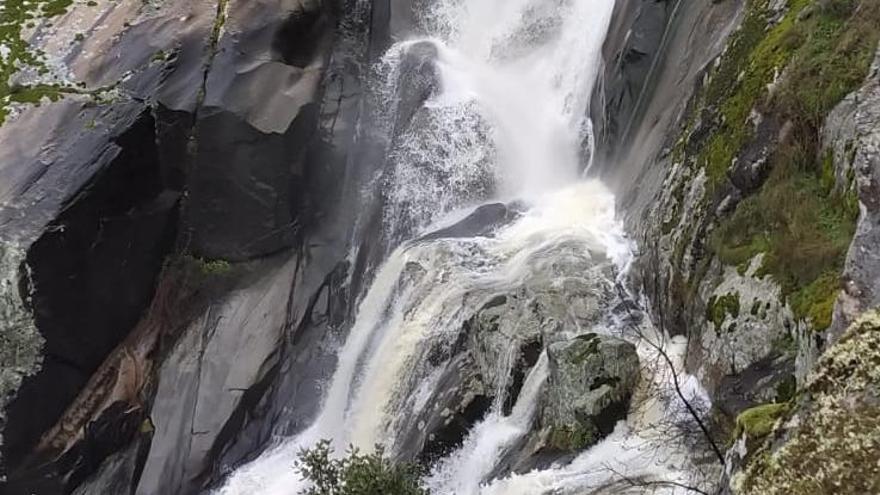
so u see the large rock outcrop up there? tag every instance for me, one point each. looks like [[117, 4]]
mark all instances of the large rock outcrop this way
[[751, 192], [750, 281], [852, 138], [829, 440], [590, 382], [179, 172]]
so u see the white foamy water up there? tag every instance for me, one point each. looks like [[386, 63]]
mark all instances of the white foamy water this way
[[507, 123]]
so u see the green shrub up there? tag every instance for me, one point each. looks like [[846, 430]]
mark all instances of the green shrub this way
[[758, 421], [718, 308], [800, 217], [357, 473]]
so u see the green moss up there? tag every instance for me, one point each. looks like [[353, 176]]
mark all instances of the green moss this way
[[15, 15], [718, 308], [834, 447], [800, 217], [756, 308], [207, 268], [784, 344], [214, 267], [588, 345], [786, 389], [35, 94], [754, 57], [571, 438], [758, 421], [816, 300]]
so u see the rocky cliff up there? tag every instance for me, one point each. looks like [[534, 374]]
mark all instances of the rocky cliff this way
[[744, 152], [172, 223]]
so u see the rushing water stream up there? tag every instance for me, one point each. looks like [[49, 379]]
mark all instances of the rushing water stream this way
[[508, 123]]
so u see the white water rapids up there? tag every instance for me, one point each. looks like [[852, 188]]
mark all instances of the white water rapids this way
[[509, 122]]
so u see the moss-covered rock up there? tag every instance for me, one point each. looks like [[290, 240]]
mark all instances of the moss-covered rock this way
[[758, 421], [20, 343], [591, 379], [834, 445], [749, 180], [719, 307]]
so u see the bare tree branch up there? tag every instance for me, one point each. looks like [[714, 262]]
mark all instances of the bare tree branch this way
[[676, 383]]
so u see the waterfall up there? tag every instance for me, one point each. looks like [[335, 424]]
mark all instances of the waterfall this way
[[506, 122]]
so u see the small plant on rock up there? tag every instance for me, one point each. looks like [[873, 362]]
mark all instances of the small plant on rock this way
[[357, 473]]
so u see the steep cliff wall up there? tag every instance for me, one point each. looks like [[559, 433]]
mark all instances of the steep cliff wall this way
[[174, 179], [750, 188]]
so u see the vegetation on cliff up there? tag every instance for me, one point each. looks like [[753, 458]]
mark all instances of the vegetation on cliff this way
[[357, 473], [788, 68], [16, 53], [832, 442]]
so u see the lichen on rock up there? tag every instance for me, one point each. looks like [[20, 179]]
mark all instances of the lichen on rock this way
[[20, 343], [832, 442], [590, 382]]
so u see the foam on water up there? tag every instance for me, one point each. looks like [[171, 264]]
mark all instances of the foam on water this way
[[508, 123]]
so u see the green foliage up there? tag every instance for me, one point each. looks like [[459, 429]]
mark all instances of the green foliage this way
[[805, 232], [758, 421], [839, 39], [571, 438], [357, 473], [15, 15], [718, 308], [800, 217]]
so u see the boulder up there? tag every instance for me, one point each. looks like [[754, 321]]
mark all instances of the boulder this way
[[591, 380], [483, 222], [485, 367]]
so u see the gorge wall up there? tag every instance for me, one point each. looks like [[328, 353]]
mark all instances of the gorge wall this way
[[743, 149]]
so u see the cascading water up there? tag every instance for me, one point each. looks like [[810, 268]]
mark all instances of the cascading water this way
[[507, 123]]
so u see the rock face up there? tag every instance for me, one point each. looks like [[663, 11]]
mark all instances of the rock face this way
[[591, 380], [831, 437], [852, 136], [202, 143], [633, 54], [835, 412], [753, 284]]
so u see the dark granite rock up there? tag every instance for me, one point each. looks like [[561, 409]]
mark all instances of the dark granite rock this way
[[229, 107], [632, 53], [90, 276], [419, 79], [481, 223]]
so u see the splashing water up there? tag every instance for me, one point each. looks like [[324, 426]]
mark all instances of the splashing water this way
[[508, 122]]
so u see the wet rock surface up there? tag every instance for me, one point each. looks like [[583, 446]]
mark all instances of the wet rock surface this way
[[590, 377], [591, 380], [225, 120], [852, 133]]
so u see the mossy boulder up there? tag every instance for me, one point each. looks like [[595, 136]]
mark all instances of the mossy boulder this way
[[758, 421], [834, 444], [591, 380]]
